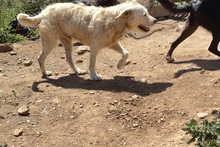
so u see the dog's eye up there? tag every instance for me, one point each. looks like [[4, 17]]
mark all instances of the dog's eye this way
[[145, 14]]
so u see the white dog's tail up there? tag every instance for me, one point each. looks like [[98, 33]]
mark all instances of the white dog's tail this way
[[26, 20]]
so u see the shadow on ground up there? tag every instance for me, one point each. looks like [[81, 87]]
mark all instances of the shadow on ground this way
[[209, 65], [118, 84]]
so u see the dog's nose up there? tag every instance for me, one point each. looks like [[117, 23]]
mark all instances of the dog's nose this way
[[155, 21]]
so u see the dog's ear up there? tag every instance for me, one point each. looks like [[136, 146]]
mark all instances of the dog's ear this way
[[125, 13]]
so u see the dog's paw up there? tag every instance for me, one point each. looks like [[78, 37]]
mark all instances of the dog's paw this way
[[120, 65], [122, 62], [95, 78], [169, 59]]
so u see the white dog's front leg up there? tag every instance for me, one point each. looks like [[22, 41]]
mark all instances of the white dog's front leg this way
[[118, 48], [93, 54]]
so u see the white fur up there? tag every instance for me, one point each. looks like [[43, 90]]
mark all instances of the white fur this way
[[96, 27]]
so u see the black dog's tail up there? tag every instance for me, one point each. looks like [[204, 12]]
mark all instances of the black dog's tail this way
[[175, 8]]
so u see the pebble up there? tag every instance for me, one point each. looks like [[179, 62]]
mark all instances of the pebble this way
[[81, 50], [202, 115], [39, 101], [18, 132], [92, 92], [215, 111], [28, 63], [23, 111], [135, 96], [143, 80], [135, 125], [202, 71], [13, 53], [96, 104], [79, 61]]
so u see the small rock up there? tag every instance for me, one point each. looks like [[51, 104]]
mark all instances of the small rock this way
[[38, 133], [18, 132], [28, 63], [96, 104], [143, 80], [81, 106], [202, 115], [92, 92], [135, 125], [13, 53], [215, 111], [79, 61], [23, 111], [162, 119], [159, 121], [5, 48], [202, 71], [135, 96], [39, 101], [81, 50]]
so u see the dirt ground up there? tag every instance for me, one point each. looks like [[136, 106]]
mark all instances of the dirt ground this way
[[144, 105]]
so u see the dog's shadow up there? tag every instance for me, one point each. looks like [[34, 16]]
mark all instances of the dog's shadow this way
[[118, 84], [207, 65]]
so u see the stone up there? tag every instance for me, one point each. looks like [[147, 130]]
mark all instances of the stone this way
[[28, 63], [143, 80], [23, 111], [202, 115], [135, 96], [18, 132], [135, 125], [92, 92], [5, 48], [215, 111], [202, 71], [13, 53], [79, 61], [81, 50]]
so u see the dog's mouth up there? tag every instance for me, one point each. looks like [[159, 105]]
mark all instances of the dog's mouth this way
[[144, 28]]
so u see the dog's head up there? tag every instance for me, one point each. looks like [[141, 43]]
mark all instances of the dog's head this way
[[136, 17]]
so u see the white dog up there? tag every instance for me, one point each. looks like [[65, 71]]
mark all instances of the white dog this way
[[96, 27]]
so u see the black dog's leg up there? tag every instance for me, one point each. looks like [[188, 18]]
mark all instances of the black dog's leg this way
[[213, 48], [190, 27]]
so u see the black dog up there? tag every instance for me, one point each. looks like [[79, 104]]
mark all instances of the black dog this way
[[205, 13], [16, 28]]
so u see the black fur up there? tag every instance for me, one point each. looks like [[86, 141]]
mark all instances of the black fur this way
[[205, 13]]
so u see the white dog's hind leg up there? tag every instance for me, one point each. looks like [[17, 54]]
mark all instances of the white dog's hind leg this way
[[68, 48], [48, 43], [118, 48], [93, 54]]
